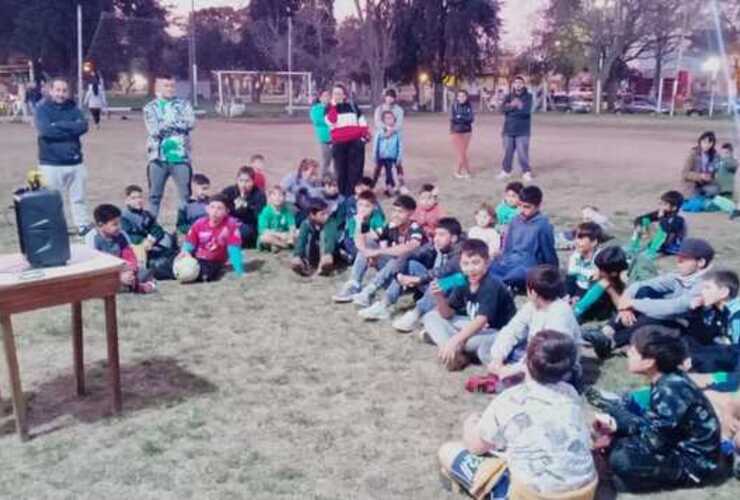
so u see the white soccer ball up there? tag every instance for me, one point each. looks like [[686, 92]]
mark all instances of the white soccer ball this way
[[186, 270]]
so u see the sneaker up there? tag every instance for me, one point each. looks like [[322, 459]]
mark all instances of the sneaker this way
[[364, 297], [376, 312], [527, 177], [345, 294], [407, 322], [146, 287], [503, 175], [735, 214], [601, 343], [83, 230], [459, 175], [425, 337], [404, 190]]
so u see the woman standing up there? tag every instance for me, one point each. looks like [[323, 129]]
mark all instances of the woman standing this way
[[349, 134], [461, 130], [95, 100], [321, 129]]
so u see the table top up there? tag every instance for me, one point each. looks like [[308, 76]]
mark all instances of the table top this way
[[16, 272]]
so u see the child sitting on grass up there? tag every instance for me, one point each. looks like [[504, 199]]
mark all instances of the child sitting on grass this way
[[508, 208], [310, 254], [246, 201], [139, 224], [533, 440], [301, 184], [600, 302], [388, 154], [485, 229], [582, 271], [545, 310], [276, 222], [435, 259], [196, 206], [727, 181], [428, 212], [257, 162], [107, 237], [213, 240], [381, 250], [675, 443], [346, 218], [468, 316]]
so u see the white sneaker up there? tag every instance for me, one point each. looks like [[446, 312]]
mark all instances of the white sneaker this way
[[376, 312], [527, 177], [407, 322], [503, 175], [345, 294], [424, 336], [363, 298]]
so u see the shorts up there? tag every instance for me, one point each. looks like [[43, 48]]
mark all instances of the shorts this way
[[465, 467]]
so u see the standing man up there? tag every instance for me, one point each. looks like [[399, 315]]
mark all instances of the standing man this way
[[60, 124], [517, 129], [169, 121]]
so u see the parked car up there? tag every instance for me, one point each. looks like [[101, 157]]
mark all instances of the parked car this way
[[560, 102], [640, 105], [580, 103], [699, 105]]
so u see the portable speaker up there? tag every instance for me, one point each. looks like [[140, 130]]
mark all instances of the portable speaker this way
[[42, 229]]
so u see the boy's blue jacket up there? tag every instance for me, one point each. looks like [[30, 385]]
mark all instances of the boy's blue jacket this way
[[59, 129], [529, 242]]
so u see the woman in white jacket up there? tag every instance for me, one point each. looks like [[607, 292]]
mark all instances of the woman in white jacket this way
[[95, 100]]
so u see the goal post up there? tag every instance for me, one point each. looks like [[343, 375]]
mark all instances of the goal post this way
[[237, 89], [15, 80]]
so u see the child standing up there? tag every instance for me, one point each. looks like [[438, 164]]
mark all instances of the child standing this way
[[537, 431], [246, 201], [310, 254], [484, 229], [196, 206], [276, 223], [107, 237], [676, 441], [429, 211], [508, 208], [388, 153], [473, 312]]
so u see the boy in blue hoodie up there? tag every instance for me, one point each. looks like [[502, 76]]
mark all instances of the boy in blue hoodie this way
[[388, 153], [529, 242]]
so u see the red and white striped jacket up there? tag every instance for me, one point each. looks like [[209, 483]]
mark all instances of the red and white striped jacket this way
[[346, 123]]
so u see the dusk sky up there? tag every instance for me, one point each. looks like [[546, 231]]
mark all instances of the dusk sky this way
[[517, 14]]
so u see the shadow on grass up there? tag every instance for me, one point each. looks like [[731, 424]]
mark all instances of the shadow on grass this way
[[155, 382]]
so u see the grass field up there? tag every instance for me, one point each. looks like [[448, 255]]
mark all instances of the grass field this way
[[263, 388]]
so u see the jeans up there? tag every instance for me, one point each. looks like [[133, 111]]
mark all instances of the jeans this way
[[73, 180], [441, 330], [326, 157], [395, 290], [389, 166], [158, 173], [519, 144], [349, 165], [512, 275], [637, 468], [385, 265]]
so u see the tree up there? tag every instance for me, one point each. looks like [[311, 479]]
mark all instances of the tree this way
[[376, 23]]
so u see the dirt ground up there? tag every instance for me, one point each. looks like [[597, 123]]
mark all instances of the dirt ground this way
[[263, 388]]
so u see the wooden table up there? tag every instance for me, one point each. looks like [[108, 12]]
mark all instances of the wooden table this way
[[89, 275]]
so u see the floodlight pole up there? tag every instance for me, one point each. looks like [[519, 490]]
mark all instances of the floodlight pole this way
[[193, 60], [290, 61], [79, 54]]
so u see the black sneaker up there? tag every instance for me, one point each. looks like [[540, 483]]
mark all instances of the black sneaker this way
[[735, 214], [600, 342]]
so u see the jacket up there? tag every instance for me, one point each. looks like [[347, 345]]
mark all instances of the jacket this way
[[387, 148], [518, 122], [726, 175], [320, 128], [395, 109], [529, 242], [169, 123], [461, 118], [140, 225], [60, 127], [693, 168], [245, 210], [346, 123], [678, 291]]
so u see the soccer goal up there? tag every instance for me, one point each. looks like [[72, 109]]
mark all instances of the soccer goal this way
[[237, 90], [15, 80]]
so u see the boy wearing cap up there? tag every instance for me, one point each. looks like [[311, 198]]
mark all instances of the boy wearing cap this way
[[659, 300]]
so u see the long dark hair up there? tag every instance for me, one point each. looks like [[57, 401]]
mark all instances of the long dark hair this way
[[713, 150], [96, 88]]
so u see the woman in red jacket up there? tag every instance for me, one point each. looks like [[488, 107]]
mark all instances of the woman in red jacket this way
[[349, 134]]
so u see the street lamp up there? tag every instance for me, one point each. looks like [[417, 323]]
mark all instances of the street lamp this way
[[289, 12], [193, 60]]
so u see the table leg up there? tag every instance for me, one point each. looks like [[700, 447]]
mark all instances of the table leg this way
[[114, 372], [77, 347], [19, 404]]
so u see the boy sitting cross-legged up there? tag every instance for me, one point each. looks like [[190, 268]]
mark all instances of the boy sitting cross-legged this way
[[435, 259], [108, 237], [196, 206], [345, 218], [276, 222], [381, 250], [139, 224], [544, 310], [310, 252], [471, 314], [213, 240]]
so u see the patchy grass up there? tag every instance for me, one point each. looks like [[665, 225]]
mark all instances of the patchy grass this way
[[263, 388]]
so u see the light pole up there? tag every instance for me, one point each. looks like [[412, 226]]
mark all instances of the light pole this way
[[290, 60], [79, 54], [193, 60]]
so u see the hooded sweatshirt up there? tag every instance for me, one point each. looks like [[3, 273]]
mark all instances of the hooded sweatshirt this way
[[518, 122], [59, 128], [678, 292], [529, 242]]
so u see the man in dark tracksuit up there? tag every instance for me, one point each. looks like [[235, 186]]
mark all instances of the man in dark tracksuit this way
[[517, 129], [60, 124]]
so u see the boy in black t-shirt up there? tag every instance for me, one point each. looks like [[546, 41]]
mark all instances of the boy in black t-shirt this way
[[472, 312], [381, 250]]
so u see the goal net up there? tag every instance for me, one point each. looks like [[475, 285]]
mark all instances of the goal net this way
[[15, 81], [240, 90]]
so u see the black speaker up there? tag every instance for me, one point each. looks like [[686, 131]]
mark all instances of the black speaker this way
[[42, 229]]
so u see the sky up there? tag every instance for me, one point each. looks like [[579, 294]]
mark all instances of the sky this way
[[517, 15]]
